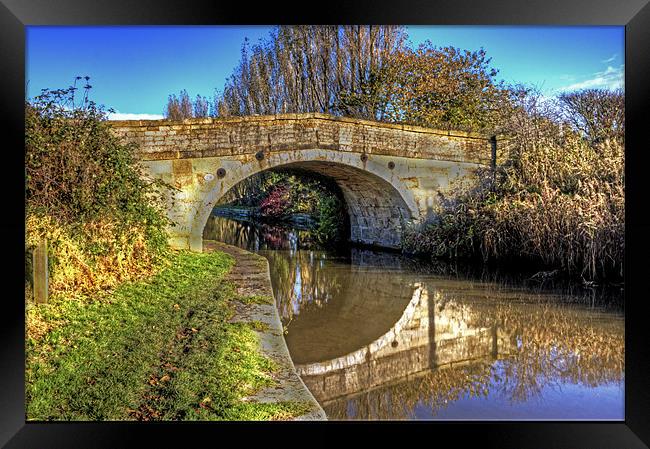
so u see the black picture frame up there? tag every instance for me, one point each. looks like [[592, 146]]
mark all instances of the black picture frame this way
[[15, 15]]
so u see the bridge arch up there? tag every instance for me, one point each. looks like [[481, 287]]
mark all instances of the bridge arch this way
[[377, 201]]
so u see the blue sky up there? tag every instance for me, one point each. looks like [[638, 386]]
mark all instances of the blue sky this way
[[134, 69]]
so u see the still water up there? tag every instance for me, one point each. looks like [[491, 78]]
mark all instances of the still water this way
[[377, 335]]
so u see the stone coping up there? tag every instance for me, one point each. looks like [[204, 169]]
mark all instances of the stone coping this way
[[303, 116], [251, 276]]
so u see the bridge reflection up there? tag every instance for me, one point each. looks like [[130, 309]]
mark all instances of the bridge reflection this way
[[374, 337], [426, 336], [443, 348]]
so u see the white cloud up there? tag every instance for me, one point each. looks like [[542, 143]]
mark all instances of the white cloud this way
[[608, 60], [129, 116], [610, 78]]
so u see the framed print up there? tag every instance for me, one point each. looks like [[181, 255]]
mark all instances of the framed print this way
[[423, 216]]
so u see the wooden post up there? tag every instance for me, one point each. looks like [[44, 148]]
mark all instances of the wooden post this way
[[493, 144], [40, 273]]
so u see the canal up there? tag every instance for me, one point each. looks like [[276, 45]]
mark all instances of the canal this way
[[378, 335]]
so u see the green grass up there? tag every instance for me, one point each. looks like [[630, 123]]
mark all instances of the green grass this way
[[160, 349], [256, 299], [258, 326]]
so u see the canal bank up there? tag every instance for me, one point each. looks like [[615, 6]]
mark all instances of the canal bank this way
[[251, 279], [175, 346]]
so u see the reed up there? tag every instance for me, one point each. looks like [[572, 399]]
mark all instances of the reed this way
[[557, 201]]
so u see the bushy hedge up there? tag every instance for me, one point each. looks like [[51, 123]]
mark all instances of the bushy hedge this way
[[86, 194]]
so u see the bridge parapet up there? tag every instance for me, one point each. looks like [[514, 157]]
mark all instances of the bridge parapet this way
[[216, 137]]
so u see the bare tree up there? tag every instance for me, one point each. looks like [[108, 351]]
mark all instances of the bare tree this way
[[173, 108], [181, 107], [201, 107], [597, 113], [311, 69], [185, 104]]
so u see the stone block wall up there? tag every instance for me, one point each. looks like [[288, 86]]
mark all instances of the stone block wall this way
[[198, 138]]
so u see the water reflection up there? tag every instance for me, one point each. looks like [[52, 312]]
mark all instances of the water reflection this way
[[375, 335]]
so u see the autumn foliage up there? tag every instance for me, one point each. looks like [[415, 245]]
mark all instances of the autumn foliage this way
[[86, 195], [559, 200], [441, 88], [277, 203]]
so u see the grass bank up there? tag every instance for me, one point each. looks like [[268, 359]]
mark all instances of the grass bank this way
[[157, 349]]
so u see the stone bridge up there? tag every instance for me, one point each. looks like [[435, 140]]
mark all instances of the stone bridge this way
[[389, 174]]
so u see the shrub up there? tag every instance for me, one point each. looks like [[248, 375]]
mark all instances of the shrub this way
[[558, 200], [330, 219], [86, 194], [277, 203]]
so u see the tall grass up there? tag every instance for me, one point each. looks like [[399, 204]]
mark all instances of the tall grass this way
[[558, 200], [91, 257]]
